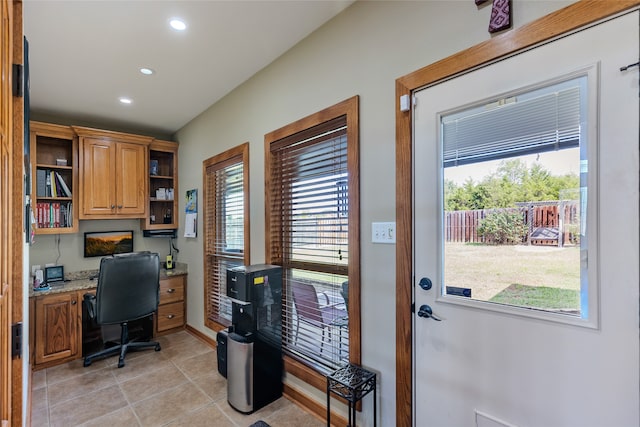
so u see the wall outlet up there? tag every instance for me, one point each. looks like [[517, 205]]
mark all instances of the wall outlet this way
[[383, 232]]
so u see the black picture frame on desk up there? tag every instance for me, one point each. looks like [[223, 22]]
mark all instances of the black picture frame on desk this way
[[103, 243]]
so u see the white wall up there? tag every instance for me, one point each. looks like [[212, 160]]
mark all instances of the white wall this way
[[68, 249], [360, 52]]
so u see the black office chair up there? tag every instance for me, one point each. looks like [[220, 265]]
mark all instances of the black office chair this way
[[128, 289]]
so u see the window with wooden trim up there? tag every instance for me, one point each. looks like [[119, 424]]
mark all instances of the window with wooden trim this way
[[312, 197], [226, 228]]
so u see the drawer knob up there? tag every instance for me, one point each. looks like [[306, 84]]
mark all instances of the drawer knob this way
[[170, 291], [171, 316]]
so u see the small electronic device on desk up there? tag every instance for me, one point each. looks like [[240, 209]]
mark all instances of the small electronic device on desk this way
[[54, 275], [50, 276]]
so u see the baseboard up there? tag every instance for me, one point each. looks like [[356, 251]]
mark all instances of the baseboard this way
[[304, 401], [196, 333], [313, 406]]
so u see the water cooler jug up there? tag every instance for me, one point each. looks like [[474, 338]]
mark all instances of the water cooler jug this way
[[254, 340]]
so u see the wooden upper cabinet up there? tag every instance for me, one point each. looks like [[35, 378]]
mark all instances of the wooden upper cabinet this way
[[54, 178], [162, 186], [113, 174]]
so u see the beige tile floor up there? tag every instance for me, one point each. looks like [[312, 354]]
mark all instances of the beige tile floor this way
[[177, 386]]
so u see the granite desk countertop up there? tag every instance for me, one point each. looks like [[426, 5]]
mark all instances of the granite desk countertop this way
[[87, 279]]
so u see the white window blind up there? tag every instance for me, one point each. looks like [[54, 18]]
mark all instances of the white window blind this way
[[309, 238], [541, 120], [224, 232]]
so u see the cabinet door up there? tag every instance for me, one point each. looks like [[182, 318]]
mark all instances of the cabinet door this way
[[98, 195], [56, 327], [131, 167]]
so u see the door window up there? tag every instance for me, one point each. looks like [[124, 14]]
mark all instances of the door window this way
[[515, 175]]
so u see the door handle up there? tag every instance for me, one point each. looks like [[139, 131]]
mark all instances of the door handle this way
[[426, 312]]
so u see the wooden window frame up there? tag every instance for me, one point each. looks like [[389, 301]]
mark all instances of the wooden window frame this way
[[350, 109], [239, 154]]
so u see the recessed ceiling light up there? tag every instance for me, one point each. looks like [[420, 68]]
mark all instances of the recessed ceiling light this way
[[147, 71], [126, 100], [178, 24]]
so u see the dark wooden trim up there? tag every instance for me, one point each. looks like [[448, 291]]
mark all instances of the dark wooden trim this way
[[220, 161], [350, 108], [558, 23], [312, 406], [205, 338], [404, 264], [18, 218], [304, 373]]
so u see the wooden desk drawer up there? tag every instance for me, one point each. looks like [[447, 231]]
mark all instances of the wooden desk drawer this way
[[170, 316], [171, 289]]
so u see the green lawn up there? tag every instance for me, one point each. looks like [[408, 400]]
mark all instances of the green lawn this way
[[530, 276]]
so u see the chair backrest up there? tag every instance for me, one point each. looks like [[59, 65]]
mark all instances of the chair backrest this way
[[305, 299], [345, 293], [128, 287]]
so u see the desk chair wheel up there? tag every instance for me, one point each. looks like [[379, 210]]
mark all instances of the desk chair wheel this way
[[158, 347], [86, 363]]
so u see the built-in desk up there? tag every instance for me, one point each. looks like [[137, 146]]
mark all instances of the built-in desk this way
[[56, 314]]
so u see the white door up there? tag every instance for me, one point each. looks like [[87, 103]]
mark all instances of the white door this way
[[490, 364]]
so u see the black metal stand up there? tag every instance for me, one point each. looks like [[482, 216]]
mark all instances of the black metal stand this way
[[352, 383]]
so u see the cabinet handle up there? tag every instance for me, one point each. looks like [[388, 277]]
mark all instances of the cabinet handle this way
[[170, 291], [171, 316], [119, 206], [113, 206], [73, 302]]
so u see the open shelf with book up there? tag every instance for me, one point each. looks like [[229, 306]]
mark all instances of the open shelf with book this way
[[54, 178], [163, 186]]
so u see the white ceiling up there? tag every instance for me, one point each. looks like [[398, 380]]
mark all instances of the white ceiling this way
[[84, 55]]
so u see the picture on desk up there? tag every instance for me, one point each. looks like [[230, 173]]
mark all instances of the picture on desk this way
[[103, 243]]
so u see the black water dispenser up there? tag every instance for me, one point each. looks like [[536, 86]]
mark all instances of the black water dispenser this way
[[254, 342]]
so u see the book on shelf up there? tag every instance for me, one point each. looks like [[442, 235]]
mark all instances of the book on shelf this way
[[47, 184], [54, 185], [41, 183], [50, 183], [63, 186], [54, 214]]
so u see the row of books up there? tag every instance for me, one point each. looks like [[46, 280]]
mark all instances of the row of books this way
[[50, 183], [54, 214]]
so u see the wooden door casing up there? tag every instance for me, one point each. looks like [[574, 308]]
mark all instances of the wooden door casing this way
[[7, 367]]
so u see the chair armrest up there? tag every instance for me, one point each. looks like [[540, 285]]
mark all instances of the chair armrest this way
[[327, 301], [326, 298], [89, 301]]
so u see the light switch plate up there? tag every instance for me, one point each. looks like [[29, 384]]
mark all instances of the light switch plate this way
[[383, 232]]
